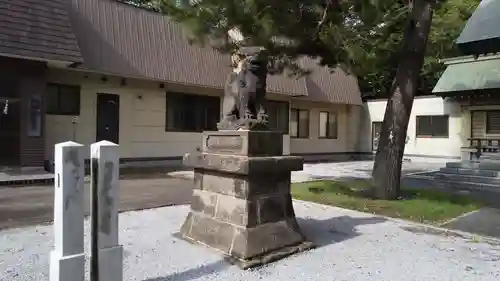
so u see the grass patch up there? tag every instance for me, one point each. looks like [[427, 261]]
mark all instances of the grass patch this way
[[426, 206]]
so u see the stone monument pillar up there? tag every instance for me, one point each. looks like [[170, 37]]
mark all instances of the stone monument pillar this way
[[106, 260], [67, 260], [241, 204]]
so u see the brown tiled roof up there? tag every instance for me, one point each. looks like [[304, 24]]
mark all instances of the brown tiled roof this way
[[121, 39], [333, 86], [37, 29]]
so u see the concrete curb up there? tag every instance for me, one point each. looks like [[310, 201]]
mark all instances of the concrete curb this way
[[26, 183], [459, 217], [421, 172]]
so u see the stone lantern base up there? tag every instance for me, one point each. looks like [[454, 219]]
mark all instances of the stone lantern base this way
[[241, 204]]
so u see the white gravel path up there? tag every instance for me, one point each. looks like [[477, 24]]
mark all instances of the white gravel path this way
[[353, 247]]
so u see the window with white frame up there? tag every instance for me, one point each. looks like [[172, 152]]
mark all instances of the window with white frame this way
[[299, 123], [328, 125], [432, 126]]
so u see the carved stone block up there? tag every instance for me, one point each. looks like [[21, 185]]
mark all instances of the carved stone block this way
[[245, 143], [243, 165]]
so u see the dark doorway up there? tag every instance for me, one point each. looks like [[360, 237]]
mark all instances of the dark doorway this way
[[10, 126], [376, 129], [108, 118]]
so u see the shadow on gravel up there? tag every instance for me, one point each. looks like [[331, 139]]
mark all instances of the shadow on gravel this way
[[194, 273], [334, 230], [320, 232]]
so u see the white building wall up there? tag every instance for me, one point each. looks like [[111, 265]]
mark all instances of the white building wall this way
[[314, 144], [142, 117], [142, 124], [423, 146]]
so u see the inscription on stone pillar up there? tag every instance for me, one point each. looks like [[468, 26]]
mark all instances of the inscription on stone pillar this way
[[67, 260], [223, 163], [226, 142]]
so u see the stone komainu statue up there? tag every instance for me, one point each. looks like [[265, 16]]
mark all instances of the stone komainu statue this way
[[244, 104]]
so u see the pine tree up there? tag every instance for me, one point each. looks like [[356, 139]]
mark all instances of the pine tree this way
[[360, 36]]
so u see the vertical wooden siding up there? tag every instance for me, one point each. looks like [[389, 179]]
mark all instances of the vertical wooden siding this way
[[30, 76], [32, 148]]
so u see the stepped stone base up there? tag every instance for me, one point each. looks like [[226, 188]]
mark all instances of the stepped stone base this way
[[241, 204], [470, 175]]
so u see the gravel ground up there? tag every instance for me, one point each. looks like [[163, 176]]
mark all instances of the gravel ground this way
[[352, 246], [361, 169], [346, 170]]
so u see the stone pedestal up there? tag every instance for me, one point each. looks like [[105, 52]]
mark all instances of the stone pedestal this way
[[241, 204]]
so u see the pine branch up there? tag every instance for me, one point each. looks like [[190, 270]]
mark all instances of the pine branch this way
[[324, 16]]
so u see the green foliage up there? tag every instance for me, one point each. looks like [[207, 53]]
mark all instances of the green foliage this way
[[448, 22], [362, 36], [380, 59], [313, 28]]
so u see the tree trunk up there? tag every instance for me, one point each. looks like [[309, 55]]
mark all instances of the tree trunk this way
[[386, 175]]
